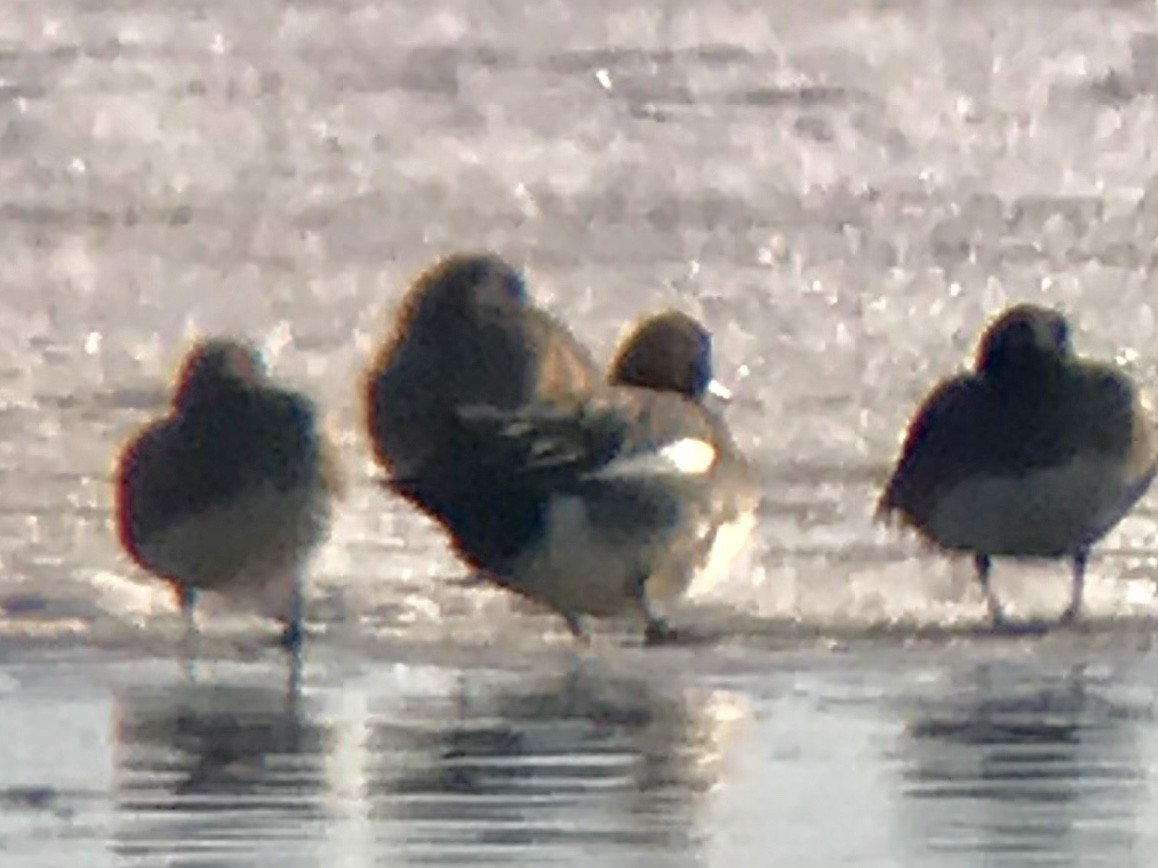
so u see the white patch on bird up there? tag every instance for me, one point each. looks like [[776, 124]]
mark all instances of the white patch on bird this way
[[1046, 513], [1144, 402], [577, 568], [729, 540], [1143, 436], [687, 456]]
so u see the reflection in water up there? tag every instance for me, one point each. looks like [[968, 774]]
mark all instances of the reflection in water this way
[[213, 769], [583, 763], [1018, 769], [423, 766]]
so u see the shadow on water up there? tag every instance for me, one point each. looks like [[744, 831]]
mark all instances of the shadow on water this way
[[579, 762], [213, 769], [1015, 766], [482, 766], [721, 627]]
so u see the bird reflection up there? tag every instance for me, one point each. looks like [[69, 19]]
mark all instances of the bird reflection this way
[[478, 766], [1027, 767], [212, 764], [592, 762]]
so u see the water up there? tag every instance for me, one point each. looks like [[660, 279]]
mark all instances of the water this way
[[842, 191]]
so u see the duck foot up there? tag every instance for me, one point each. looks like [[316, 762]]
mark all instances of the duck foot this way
[[575, 626], [659, 632], [291, 637]]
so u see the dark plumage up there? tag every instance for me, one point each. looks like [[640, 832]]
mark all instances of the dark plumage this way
[[1037, 453], [233, 487], [466, 333], [600, 505]]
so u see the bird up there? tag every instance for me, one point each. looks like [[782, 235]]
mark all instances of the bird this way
[[1035, 453], [466, 333], [233, 488], [667, 351], [606, 502]]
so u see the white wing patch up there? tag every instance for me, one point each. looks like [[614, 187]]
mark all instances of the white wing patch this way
[[1143, 438], [731, 538], [685, 457]]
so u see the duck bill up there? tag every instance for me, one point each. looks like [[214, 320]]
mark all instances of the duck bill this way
[[719, 391]]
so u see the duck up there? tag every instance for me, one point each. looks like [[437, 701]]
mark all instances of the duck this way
[[603, 503], [233, 487], [466, 332], [1036, 453]]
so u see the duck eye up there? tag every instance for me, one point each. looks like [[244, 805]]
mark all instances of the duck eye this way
[[514, 286], [702, 365]]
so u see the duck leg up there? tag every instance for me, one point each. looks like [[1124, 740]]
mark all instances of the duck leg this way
[[187, 599], [291, 636], [984, 567], [1079, 583], [658, 631], [575, 625]]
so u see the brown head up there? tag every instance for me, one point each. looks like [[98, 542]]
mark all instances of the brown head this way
[[667, 352], [461, 288], [216, 367], [466, 333], [1023, 342]]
